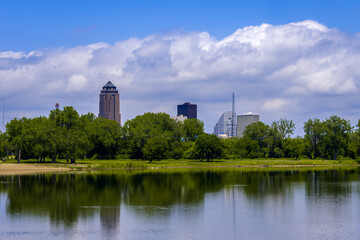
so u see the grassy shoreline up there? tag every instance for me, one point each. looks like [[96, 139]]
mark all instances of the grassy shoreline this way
[[89, 164]]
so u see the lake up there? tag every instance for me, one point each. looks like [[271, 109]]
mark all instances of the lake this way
[[183, 204]]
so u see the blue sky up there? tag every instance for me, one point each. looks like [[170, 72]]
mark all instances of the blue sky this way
[[28, 25], [283, 59]]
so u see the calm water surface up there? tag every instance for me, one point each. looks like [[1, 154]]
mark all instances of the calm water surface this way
[[183, 204]]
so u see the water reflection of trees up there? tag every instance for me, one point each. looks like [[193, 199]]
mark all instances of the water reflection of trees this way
[[66, 198], [336, 184]]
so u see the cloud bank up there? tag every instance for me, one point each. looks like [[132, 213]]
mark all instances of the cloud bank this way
[[295, 71]]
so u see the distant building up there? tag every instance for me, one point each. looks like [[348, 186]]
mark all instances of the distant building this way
[[188, 110], [224, 125], [223, 136], [180, 118], [245, 120], [109, 104]]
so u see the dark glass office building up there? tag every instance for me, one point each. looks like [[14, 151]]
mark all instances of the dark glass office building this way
[[187, 109]]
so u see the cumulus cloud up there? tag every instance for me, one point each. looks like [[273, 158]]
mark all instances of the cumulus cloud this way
[[297, 70], [274, 105], [76, 83]]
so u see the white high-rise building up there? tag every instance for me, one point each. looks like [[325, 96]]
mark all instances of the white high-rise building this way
[[245, 120], [224, 125], [180, 118]]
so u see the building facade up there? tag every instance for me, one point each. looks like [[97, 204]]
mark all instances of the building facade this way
[[245, 120], [224, 125], [179, 118], [109, 103], [187, 110]]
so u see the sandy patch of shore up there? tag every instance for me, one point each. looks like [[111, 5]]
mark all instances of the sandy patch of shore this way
[[23, 169]]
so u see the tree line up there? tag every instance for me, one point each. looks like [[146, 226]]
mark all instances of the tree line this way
[[67, 135]]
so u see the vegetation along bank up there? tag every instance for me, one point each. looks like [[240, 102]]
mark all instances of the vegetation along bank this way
[[65, 134]]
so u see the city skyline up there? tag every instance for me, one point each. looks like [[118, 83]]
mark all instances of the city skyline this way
[[294, 60]]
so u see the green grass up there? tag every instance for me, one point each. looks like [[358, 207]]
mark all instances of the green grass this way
[[186, 163]]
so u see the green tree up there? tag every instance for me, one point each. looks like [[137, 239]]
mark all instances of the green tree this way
[[283, 127], [192, 128], [314, 136], [353, 147], [228, 148], [188, 151], [337, 135], [17, 130], [156, 148], [294, 147], [278, 132], [4, 145], [71, 132], [40, 137], [208, 146], [105, 138], [259, 134], [138, 130]]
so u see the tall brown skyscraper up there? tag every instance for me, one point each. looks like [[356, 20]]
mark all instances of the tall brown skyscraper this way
[[109, 104]]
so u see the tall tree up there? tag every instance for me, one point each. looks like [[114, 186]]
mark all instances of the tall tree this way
[[156, 148], [353, 147], [40, 137], [138, 130], [192, 128], [4, 145], [105, 138], [284, 127], [294, 147], [68, 127], [259, 134], [314, 136], [337, 135], [208, 146], [17, 130]]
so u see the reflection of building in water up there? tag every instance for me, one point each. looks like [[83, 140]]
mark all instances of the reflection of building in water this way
[[110, 218]]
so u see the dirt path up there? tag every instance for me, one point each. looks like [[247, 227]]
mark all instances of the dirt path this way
[[22, 169]]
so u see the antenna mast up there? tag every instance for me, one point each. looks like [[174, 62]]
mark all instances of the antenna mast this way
[[233, 116], [3, 122]]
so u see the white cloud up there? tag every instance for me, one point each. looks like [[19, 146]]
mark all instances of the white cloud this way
[[76, 83], [297, 69], [274, 105]]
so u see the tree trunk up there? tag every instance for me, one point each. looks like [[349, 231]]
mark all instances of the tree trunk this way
[[67, 160], [336, 151], [19, 155], [53, 158], [150, 161]]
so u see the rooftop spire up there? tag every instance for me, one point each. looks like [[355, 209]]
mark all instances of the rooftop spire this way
[[109, 85]]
